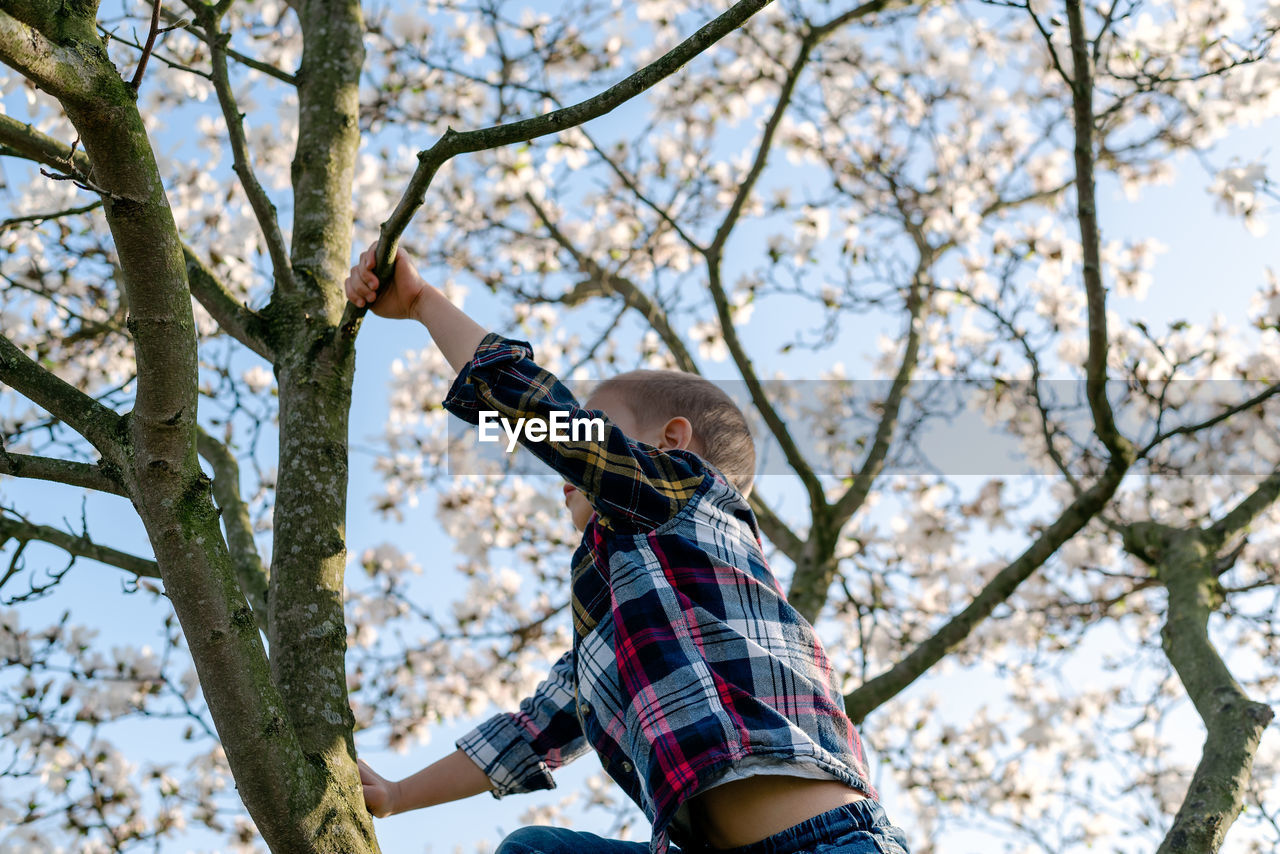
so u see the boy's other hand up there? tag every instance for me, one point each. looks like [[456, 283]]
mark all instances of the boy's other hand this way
[[395, 300], [379, 792]]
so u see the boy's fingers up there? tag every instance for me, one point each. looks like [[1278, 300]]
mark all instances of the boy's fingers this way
[[352, 288]]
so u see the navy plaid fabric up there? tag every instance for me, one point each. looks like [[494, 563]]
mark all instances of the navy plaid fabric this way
[[687, 658]]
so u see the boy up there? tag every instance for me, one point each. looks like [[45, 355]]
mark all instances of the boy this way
[[707, 697]]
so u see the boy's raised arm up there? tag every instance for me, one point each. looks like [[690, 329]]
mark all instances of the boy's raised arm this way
[[454, 332], [652, 485], [408, 296]]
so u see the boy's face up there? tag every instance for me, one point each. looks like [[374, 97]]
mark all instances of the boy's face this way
[[615, 407]]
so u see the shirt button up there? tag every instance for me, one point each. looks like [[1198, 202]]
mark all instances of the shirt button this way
[[585, 708], [626, 767]]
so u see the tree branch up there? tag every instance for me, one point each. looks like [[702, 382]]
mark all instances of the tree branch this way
[[854, 497], [602, 282], [777, 427], [78, 546], [1048, 42], [772, 525], [629, 182], [30, 143], [1186, 429], [810, 41], [88, 476], [716, 247], [714, 254], [878, 690], [814, 574], [247, 61], [1088, 503], [235, 516], [103, 427], [1240, 516], [237, 319], [1104, 424], [115, 36], [148, 47], [1187, 565], [266, 68], [37, 219], [263, 209], [454, 143], [778, 531], [41, 60]]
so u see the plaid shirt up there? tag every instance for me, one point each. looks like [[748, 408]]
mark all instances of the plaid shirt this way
[[687, 659]]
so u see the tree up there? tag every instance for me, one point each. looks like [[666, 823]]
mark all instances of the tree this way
[[957, 150]]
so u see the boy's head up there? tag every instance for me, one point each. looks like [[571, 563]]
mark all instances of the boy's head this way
[[672, 409]]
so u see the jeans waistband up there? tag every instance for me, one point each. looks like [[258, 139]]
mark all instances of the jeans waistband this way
[[823, 828]]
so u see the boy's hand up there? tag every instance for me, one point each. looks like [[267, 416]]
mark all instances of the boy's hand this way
[[406, 295], [396, 300], [379, 793]]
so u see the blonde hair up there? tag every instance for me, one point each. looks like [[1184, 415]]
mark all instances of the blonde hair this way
[[719, 427]]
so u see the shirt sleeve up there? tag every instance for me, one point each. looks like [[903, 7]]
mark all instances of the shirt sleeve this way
[[517, 751], [624, 480]]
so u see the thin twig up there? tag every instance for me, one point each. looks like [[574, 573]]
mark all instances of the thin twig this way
[[264, 209], [147, 48], [207, 36], [77, 546], [1258, 399], [45, 217], [182, 23]]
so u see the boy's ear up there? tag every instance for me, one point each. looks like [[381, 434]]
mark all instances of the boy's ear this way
[[677, 434]]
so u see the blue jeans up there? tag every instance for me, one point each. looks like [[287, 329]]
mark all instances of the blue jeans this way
[[858, 828]]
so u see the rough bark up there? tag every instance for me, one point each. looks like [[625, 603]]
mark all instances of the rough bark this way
[[307, 627], [324, 161], [1188, 562], [160, 468], [99, 477], [250, 572], [1234, 721]]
